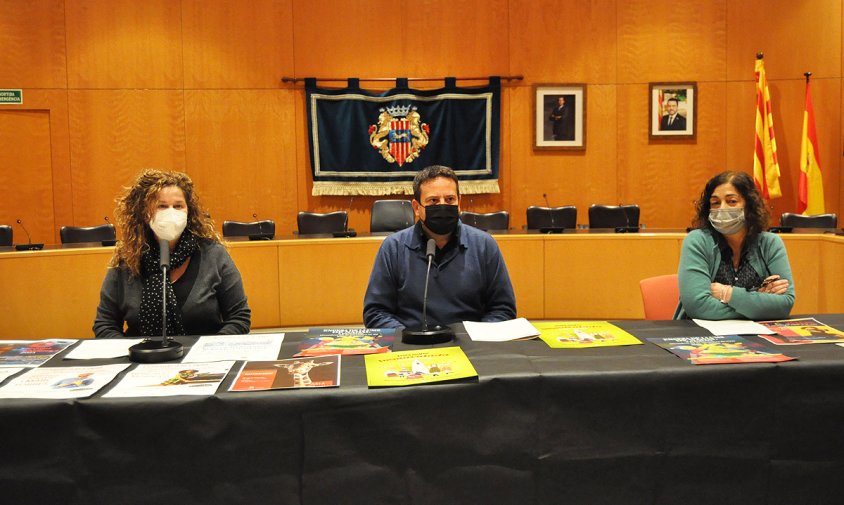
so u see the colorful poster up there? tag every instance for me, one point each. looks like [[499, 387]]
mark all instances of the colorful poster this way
[[171, 379], [802, 331], [30, 353], [407, 368], [327, 341], [582, 334], [720, 349], [315, 372]]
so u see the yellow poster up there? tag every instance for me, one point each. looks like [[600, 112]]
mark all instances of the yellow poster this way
[[581, 334], [406, 368]]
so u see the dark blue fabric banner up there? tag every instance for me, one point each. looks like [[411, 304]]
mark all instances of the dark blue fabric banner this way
[[371, 143]]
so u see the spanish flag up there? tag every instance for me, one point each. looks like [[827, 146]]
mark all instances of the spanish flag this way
[[810, 197], [766, 169]]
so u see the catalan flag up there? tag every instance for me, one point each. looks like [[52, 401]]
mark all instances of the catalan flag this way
[[810, 196], [766, 169]]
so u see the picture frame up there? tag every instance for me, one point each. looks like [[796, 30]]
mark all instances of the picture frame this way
[[559, 117], [672, 110]]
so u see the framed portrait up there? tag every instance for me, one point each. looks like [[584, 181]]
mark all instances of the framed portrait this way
[[560, 121], [673, 110]]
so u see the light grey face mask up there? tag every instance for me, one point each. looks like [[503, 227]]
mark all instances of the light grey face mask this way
[[727, 221]]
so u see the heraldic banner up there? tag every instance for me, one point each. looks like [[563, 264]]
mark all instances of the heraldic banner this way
[[371, 143]]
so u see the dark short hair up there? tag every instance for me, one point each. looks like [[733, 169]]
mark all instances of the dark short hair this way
[[672, 99], [432, 172], [755, 213]]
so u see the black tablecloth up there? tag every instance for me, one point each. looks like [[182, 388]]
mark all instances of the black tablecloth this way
[[616, 425]]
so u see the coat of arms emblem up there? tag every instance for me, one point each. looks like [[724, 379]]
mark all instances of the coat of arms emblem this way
[[399, 134]]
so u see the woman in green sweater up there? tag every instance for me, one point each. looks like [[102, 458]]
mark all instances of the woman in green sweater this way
[[730, 268]]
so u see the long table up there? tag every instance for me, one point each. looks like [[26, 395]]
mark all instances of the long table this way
[[302, 282], [632, 425]]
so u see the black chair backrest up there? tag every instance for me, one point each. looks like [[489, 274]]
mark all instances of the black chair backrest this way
[[613, 216], [390, 215], [79, 234], [815, 221], [5, 235], [488, 221], [265, 228], [551, 217], [313, 223]]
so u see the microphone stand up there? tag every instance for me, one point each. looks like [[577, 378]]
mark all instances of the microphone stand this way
[[166, 349], [427, 336], [553, 228]]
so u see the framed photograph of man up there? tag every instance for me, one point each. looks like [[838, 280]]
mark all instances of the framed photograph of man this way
[[560, 121], [673, 110]]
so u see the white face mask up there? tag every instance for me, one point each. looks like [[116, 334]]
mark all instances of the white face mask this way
[[728, 220], [168, 224]]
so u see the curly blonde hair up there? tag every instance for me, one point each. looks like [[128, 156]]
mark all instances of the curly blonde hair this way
[[133, 213]]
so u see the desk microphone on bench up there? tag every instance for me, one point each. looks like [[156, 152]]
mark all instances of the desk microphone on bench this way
[[426, 336], [553, 228], [29, 246]]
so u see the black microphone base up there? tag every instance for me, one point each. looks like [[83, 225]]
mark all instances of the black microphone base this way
[[29, 247], [434, 335], [156, 351], [552, 229], [347, 233]]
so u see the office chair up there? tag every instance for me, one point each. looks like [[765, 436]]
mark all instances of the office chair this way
[[314, 223], [76, 234], [489, 221], [614, 216], [539, 218], [255, 230], [390, 215], [6, 233], [660, 296], [816, 221]]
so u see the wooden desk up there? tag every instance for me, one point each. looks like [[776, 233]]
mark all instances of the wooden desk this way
[[301, 282]]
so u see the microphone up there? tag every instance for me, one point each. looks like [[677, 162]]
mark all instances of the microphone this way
[[553, 228], [346, 232], [165, 349], [426, 336], [29, 246], [260, 235], [626, 228], [108, 242]]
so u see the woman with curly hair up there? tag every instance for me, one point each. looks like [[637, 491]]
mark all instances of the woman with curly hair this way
[[204, 289], [730, 268]]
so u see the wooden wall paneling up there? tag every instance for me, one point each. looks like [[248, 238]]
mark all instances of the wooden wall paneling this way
[[113, 135], [464, 40], [124, 44], [55, 293], [662, 41], [316, 288], [553, 41], [351, 38], [25, 164], [579, 269], [664, 177], [258, 266], [795, 37], [237, 44], [806, 273], [578, 178], [831, 265], [240, 154], [32, 36], [525, 259]]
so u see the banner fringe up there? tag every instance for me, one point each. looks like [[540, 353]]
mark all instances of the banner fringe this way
[[322, 188]]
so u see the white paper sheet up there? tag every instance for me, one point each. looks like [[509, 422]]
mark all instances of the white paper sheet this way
[[61, 382], [501, 331], [733, 327], [171, 379], [254, 347], [102, 348], [7, 372]]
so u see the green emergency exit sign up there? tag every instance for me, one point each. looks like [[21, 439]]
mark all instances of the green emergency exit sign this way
[[11, 96]]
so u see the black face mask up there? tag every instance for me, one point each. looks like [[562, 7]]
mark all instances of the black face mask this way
[[441, 219]]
